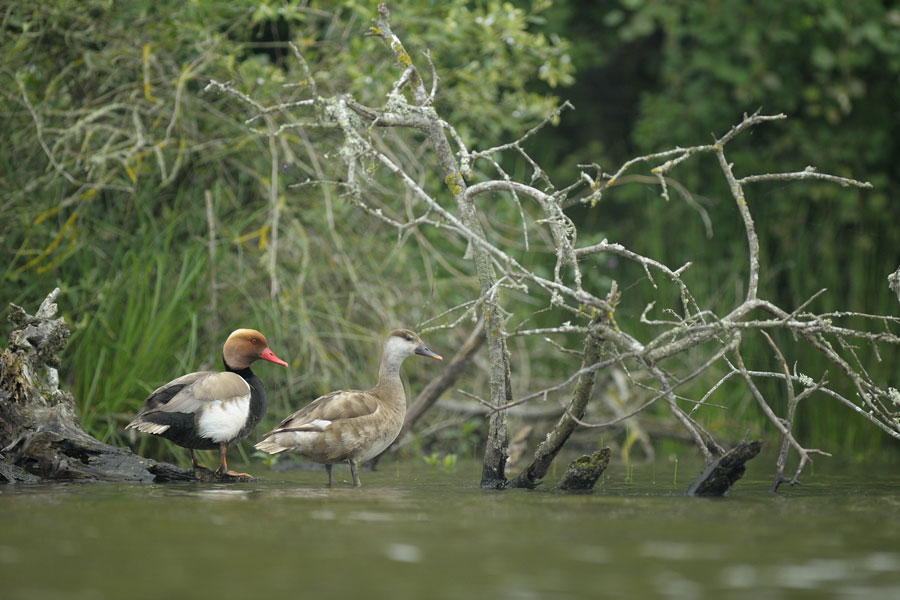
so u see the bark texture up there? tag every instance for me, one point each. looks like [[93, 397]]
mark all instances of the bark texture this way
[[40, 436]]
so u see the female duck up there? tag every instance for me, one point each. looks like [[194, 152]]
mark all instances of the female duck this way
[[209, 409], [352, 426]]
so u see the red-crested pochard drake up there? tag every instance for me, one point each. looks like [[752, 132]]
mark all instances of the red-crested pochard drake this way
[[209, 409], [352, 426]]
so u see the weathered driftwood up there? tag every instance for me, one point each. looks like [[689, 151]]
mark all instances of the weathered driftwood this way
[[723, 473], [40, 436], [585, 470]]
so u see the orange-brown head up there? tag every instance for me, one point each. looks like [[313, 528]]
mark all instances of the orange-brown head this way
[[244, 346]]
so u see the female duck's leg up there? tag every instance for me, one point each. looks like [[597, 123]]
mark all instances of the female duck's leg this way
[[354, 471], [330, 478]]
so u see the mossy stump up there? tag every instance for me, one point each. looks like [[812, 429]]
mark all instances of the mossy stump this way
[[40, 436], [724, 473], [584, 471]]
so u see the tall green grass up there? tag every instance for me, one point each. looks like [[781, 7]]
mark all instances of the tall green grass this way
[[145, 320]]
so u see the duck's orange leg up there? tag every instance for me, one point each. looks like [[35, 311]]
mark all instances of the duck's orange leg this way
[[223, 467], [194, 462]]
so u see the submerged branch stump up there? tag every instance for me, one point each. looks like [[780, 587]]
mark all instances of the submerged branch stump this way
[[585, 470], [724, 473], [40, 436]]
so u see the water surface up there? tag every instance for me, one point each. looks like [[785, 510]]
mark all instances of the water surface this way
[[413, 531]]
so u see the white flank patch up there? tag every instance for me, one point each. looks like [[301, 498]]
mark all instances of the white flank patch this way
[[222, 421], [319, 424]]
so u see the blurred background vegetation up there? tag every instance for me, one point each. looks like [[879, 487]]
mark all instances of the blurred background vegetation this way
[[154, 214]]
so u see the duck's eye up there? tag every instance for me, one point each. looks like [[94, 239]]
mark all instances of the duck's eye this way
[[253, 340]]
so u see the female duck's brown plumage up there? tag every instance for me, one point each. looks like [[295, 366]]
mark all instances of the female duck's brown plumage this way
[[209, 409], [352, 426]]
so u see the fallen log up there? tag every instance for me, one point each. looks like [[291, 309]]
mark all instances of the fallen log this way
[[41, 438]]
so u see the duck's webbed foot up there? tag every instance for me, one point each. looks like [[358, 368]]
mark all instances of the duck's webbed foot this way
[[223, 471]]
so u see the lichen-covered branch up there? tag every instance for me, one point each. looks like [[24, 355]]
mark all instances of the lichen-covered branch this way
[[782, 427]]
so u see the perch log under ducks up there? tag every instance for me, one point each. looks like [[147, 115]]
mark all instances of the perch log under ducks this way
[[209, 409], [349, 425]]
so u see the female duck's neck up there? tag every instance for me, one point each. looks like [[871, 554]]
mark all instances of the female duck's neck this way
[[389, 375]]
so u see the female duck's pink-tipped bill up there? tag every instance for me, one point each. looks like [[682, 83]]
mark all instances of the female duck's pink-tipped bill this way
[[268, 355], [423, 350]]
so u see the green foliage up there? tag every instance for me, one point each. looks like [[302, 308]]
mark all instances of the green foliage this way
[[489, 58], [447, 462], [132, 324]]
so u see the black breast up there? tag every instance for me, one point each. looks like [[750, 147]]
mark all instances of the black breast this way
[[258, 403]]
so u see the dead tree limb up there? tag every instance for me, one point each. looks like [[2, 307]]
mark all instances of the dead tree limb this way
[[717, 478], [584, 471], [494, 464]]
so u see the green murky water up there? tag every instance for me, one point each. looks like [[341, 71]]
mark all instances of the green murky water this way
[[418, 532]]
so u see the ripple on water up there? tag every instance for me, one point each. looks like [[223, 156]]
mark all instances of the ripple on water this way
[[886, 562], [679, 550], [370, 515], [407, 553]]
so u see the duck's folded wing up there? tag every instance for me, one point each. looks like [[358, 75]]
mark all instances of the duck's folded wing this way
[[321, 412], [164, 393], [214, 388], [189, 393]]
